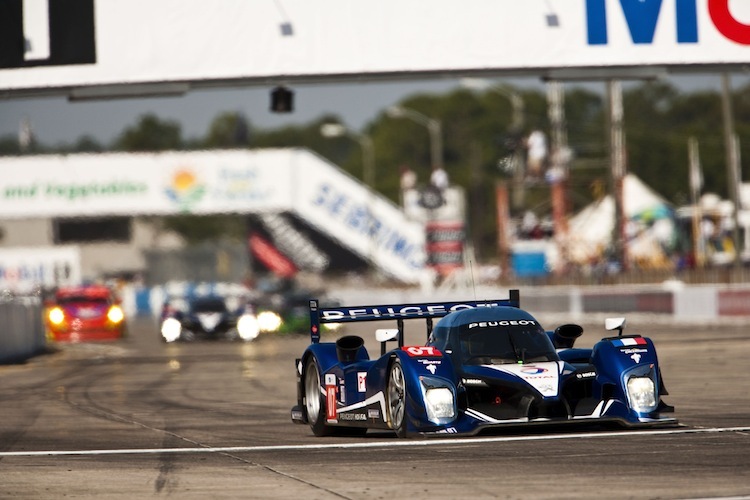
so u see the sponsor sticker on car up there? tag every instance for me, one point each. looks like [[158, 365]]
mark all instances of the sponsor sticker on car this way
[[629, 341]]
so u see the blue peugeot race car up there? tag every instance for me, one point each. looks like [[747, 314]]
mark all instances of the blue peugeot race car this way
[[485, 365]]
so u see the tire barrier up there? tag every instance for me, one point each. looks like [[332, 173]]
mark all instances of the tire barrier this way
[[21, 329]]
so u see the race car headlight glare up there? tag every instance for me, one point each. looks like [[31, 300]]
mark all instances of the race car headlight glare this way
[[56, 316], [115, 314], [269, 321], [439, 403], [642, 394], [247, 327], [170, 329]]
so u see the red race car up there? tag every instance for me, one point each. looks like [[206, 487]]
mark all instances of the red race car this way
[[80, 314]]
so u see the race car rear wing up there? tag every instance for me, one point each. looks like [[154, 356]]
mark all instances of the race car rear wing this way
[[398, 312]]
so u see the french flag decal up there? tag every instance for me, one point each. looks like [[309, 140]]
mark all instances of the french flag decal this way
[[629, 342]]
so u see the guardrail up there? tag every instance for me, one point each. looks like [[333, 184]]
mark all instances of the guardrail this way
[[21, 329]]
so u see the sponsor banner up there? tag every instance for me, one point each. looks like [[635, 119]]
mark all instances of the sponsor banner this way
[[185, 42], [651, 302], [445, 245], [362, 221], [145, 184], [734, 302], [208, 182], [24, 269]]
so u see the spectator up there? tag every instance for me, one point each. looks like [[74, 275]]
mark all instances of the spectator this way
[[408, 178], [536, 146], [439, 178]]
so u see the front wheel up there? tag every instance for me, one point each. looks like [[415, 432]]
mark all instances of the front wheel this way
[[396, 399], [314, 399]]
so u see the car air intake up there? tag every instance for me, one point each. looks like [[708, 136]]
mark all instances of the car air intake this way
[[565, 335], [347, 348]]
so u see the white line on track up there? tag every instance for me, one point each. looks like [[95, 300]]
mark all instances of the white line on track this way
[[377, 444]]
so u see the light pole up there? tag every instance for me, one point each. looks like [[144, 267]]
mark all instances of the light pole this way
[[331, 130], [434, 127], [518, 121], [516, 101]]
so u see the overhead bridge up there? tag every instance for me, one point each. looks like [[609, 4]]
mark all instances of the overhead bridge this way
[[266, 183]]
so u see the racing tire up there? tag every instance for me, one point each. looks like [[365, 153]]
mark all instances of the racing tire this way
[[396, 398], [315, 403]]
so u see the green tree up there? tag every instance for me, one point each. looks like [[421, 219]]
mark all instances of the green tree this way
[[9, 145], [228, 130], [150, 134], [199, 228]]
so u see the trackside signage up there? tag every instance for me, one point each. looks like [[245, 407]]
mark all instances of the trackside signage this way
[[361, 220], [182, 43], [24, 269], [641, 18], [143, 184], [262, 182]]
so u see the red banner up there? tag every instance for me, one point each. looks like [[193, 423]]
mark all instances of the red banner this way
[[269, 255]]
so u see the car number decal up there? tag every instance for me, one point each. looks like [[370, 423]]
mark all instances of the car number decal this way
[[416, 351]]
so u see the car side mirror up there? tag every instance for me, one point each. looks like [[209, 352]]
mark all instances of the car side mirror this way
[[615, 324]]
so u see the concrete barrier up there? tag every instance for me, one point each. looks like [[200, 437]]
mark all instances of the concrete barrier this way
[[21, 329], [670, 301]]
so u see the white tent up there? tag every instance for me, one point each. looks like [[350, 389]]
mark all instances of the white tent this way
[[650, 224]]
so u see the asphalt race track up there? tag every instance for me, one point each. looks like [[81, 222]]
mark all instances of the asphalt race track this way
[[141, 419]]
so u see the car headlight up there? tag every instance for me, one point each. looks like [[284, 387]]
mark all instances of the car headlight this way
[[56, 316], [115, 314], [439, 404], [269, 321], [171, 329], [642, 394], [247, 327]]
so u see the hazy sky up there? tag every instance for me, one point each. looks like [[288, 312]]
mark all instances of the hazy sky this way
[[55, 120]]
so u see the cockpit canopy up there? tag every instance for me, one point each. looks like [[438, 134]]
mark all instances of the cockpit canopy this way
[[498, 335]]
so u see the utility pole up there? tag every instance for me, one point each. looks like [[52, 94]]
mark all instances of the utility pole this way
[[618, 168], [696, 182], [558, 173], [733, 165]]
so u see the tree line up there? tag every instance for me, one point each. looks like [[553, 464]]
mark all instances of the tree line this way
[[477, 137]]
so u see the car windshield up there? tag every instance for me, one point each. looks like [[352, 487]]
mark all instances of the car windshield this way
[[209, 305], [81, 299], [502, 342]]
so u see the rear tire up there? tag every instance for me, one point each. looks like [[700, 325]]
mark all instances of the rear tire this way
[[315, 403], [396, 398]]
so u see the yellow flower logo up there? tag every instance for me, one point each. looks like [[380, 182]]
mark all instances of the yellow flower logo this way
[[185, 190], [183, 180]]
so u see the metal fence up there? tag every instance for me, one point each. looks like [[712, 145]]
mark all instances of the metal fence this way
[[214, 262], [21, 328]]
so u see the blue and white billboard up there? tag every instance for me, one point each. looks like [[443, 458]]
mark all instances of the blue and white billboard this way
[[185, 44]]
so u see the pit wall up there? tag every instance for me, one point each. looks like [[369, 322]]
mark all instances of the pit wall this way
[[21, 330], [679, 302]]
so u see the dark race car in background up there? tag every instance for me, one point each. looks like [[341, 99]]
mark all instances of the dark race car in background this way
[[485, 365], [84, 313], [283, 306], [208, 317]]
